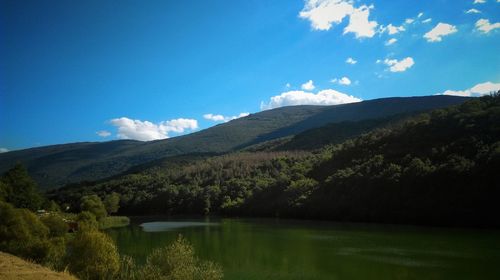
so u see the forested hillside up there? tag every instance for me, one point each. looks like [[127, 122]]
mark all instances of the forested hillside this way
[[438, 168], [55, 166]]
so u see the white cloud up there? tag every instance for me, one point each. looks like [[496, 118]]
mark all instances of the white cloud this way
[[360, 25], [477, 90], [391, 41], [485, 88], [342, 81], [103, 133], [455, 93], [324, 97], [480, 1], [288, 85], [427, 20], [215, 118], [324, 13], [420, 15], [409, 21], [351, 60], [399, 66], [180, 125], [473, 11], [221, 118], [308, 85], [485, 26], [3, 150], [391, 29], [147, 131], [439, 31], [241, 115]]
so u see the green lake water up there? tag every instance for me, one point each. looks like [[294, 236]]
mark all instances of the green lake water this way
[[289, 249]]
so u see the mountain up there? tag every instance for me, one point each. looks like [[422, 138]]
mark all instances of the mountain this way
[[54, 166], [435, 168]]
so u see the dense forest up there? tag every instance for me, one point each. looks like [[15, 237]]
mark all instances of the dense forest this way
[[437, 168]]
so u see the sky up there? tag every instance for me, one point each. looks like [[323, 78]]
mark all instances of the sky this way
[[75, 71]]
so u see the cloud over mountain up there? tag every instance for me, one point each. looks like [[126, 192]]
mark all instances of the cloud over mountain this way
[[298, 97], [477, 90], [147, 131], [221, 118]]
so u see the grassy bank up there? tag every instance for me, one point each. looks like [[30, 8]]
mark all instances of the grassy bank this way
[[12, 267], [113, 221]]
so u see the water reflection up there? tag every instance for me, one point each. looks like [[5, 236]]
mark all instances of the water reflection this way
[[169, 226]]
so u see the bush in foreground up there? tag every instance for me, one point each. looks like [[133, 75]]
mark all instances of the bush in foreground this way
[[93, 255], [178, 262], [174, 262], [22, 233]]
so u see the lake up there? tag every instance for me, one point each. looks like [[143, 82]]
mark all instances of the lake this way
[[290, 249]]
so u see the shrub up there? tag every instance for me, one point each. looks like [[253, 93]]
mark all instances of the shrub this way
[[128, 269], [93, 255], [56, 225], [86, 221], [178, 262], [56, 257], [22, 233]]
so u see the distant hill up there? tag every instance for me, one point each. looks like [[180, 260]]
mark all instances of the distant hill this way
[[54, 166]]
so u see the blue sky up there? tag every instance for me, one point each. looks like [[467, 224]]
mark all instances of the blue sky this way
[[74, 71]]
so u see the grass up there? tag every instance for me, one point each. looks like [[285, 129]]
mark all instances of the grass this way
[[14, 268], [113, 221]]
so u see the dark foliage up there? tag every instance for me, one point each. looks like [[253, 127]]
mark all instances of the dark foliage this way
[[19, 189]]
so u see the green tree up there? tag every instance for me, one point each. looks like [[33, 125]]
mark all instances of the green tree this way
[[93, 255], [20, 188], [112, 202], [94, 205]]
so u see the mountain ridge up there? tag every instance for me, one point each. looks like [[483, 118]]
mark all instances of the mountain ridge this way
[[57, 165]]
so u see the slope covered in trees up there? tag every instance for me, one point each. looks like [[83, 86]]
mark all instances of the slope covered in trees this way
[[437, 168], [54, 166]]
